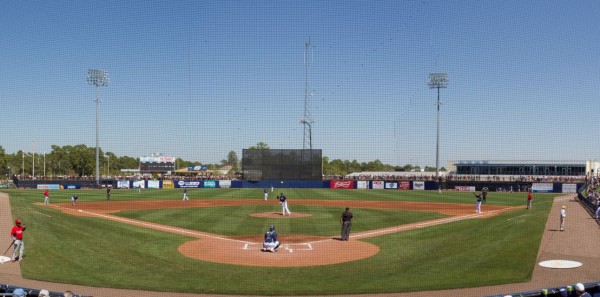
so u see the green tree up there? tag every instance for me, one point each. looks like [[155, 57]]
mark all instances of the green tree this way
[[260, 146], [233, 161]]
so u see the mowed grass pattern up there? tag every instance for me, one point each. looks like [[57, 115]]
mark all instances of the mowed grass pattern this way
[[96, 252]]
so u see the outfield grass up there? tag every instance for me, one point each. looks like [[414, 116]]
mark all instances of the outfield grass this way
[[96, 252]]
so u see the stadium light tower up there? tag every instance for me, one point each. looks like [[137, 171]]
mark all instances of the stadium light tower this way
[[306, 119], [97, 78], [437, 81], [309, 133]]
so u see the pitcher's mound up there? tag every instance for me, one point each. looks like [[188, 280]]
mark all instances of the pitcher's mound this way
[[279, 215]]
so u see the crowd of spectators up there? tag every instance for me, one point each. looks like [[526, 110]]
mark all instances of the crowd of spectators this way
[[12, 291], [429, 176]]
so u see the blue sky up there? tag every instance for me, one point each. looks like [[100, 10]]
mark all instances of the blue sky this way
[[197, 79]]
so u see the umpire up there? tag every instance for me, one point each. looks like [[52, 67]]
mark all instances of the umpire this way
[[346, 221]]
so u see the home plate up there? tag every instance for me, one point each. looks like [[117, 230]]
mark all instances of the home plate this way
[[4, 259], [564, 264]]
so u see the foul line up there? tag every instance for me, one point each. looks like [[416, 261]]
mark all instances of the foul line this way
[[160, 227], [246, 244], [421, 225]]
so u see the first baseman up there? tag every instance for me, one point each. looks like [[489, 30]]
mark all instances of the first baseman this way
[[478, 203]]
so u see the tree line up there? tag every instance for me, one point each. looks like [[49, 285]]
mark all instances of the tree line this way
[[80, 160]]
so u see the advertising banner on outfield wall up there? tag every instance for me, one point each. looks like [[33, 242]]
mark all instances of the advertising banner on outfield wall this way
[[542, 187], [569, 188], [224, 184], [377, 184], [168, 184], [419, 185], [139, 184], [48, 187], [464, 188], [362, 184], [153, 184], [210, 184], [404, 185], [341, 184], [187, 184], [122, 184], [391, 185]]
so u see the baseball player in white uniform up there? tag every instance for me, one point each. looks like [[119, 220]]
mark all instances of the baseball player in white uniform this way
[[284, 205], [266, 194], [563, 216], [185, 196]]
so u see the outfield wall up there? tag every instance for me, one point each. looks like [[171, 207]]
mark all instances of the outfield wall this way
[[415, 185]]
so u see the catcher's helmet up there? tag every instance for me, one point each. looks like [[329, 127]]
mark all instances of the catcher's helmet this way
[[272, 227], [17, 221]]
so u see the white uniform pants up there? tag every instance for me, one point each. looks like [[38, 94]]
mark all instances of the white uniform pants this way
[[285, 208], [18, 245], [271, 246]]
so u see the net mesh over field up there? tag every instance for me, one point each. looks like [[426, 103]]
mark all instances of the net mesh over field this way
[[286, 164]]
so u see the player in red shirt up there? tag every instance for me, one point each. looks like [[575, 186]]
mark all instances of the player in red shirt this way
[[17, 235], [46, 198]]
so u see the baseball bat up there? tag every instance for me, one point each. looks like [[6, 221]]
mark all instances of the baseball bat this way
[[9, 247]]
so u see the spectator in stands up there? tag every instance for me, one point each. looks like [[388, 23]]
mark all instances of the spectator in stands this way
[[563, 292], [68, 294], [19, 293], [580, 290], [44, 293]]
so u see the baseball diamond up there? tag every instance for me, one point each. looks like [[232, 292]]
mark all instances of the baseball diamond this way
[[299, 250], [216, 253]]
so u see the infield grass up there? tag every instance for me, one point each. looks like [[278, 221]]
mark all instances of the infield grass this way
[[96, 252]]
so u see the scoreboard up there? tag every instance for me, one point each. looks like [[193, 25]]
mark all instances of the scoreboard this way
[[157, 164]]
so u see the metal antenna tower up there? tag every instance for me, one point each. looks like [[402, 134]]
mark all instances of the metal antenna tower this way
[[306, 119]]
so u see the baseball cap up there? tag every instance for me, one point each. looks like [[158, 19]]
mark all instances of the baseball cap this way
[[562, 292], [579, 287], [44, 293], [19, 293], [17, 221]]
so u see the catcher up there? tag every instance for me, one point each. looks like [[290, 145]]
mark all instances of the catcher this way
[[271, 242]]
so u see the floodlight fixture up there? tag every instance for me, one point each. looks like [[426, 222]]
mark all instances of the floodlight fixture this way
[[307, 123], [97, 78], [438, 81]]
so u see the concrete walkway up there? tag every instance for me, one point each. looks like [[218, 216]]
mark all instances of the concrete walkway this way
[[579, 242]]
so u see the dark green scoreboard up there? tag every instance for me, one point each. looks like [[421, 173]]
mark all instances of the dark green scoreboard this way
[[282, 164]]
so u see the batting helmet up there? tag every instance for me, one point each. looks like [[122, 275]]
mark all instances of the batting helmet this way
[[17, 221]]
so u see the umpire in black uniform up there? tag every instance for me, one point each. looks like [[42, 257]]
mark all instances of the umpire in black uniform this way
[[346, 221]]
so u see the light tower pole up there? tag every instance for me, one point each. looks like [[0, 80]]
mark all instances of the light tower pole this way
[[97, 78], [306, 119], [438, 81]]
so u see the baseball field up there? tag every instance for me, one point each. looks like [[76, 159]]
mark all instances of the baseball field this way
[[401, 241]]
